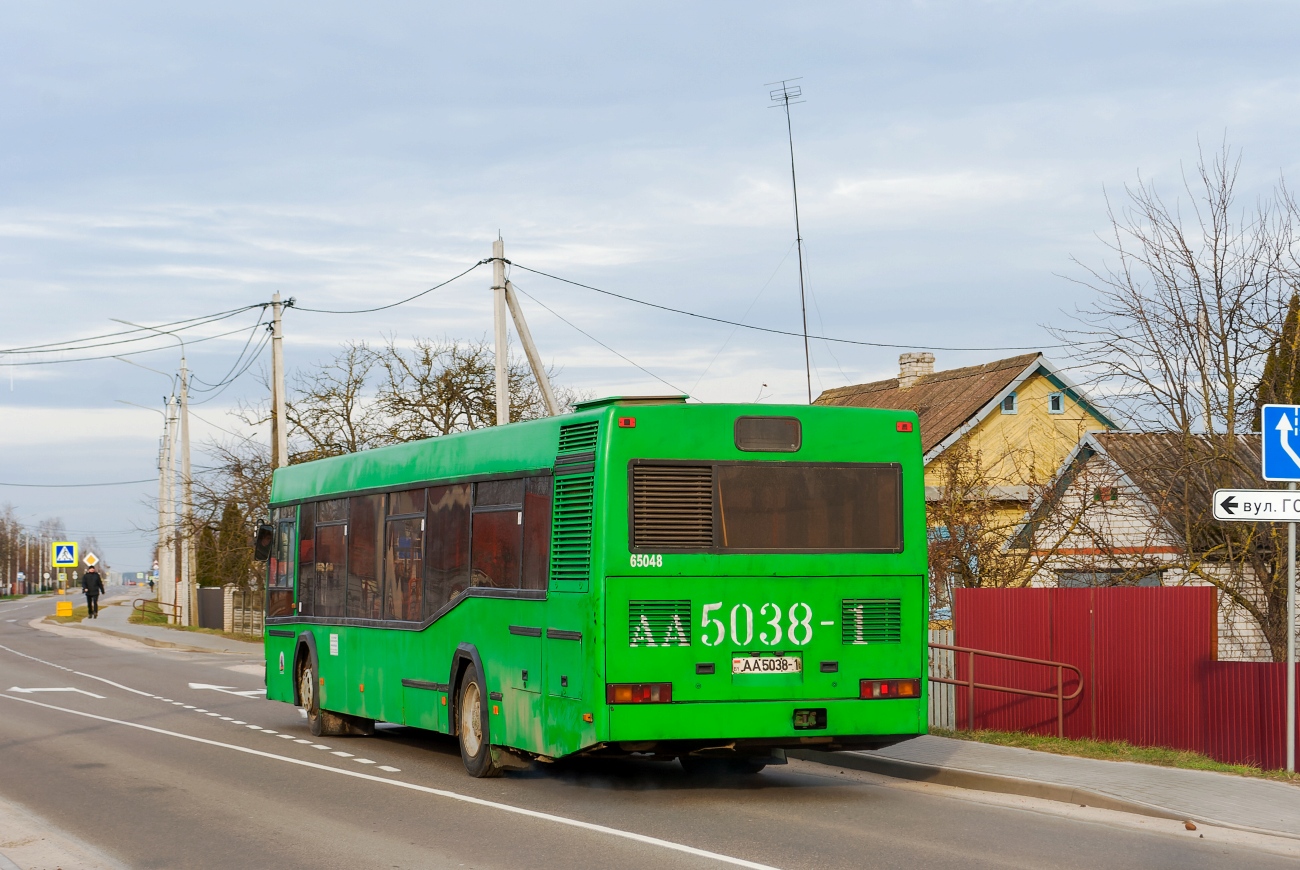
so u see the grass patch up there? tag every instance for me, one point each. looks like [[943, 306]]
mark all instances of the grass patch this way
[[157, 619], [1116, 751], [144, 617]]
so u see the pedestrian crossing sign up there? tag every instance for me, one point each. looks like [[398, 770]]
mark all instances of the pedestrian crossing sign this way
[[65, 554]]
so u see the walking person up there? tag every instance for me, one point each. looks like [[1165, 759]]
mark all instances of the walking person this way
[[93, 585]]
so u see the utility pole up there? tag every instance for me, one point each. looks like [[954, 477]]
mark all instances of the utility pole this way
[[530, 350], [279, 425], [162, 492], [187, 505], [784, 96], [499, 329], [167, 548]]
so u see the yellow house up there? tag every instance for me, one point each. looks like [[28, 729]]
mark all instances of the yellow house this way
[[1018, 418]]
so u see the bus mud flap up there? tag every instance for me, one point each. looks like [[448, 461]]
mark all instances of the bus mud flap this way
[[509, 759]]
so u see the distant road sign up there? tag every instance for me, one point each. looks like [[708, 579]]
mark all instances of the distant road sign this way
[[65, 554], [1280, 431], [91, 560], [1257, 505]]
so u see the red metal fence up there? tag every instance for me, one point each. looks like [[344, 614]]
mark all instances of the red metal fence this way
[[1147, 656]]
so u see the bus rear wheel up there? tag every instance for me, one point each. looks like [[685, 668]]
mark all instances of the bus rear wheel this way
[[472, 725]]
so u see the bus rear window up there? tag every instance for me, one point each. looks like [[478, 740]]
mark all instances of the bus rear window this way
[[767, 507]]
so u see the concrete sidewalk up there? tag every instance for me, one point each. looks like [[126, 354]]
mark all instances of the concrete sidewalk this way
[[1258, 805], [113, 620]]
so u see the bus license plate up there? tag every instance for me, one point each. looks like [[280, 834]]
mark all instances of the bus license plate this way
[[766, 665]]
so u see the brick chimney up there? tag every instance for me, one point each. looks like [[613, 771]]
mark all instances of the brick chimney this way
[[912, 366]]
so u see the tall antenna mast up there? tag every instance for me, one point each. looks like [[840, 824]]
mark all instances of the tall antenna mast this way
[[784, 96]]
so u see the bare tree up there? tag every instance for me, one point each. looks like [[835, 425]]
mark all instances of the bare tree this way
[[362, 397], [979, 537], [436, 388], [1184, 319]]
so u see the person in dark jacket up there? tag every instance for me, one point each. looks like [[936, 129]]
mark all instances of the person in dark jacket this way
[[93, 585]]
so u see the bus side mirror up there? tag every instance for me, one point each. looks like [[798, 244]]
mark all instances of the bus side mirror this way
[[262, 542]]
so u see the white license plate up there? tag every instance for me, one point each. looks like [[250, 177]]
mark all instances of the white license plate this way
[[766, 665]]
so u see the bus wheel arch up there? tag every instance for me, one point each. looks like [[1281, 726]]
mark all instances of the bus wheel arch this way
[[471, 699], [304, 653], [466, 656]]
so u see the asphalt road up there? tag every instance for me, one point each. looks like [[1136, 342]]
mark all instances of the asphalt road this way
[[158, 773]]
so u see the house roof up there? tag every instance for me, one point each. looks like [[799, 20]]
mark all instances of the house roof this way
[[1175, 474], [1180, 473], [948, 403]]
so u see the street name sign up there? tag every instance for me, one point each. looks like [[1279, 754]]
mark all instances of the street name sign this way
[[1280, 441], [64, 554], [1257, 505]]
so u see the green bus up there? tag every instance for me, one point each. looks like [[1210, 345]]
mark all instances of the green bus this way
[[643, 576]]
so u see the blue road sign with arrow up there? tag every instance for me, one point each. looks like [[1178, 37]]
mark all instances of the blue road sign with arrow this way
[[1280, 431]]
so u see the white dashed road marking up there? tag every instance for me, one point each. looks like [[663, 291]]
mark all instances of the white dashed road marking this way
[[424, 789]]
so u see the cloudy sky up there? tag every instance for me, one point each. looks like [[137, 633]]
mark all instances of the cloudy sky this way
[[160, 162]]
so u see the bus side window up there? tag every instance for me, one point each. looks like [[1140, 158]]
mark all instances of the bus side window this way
[[364, 598], [497, 534], [537, 532], [404, 555], [279, 599], [307, 560], [447, 565]]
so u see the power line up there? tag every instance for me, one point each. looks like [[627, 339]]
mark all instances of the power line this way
[[392, 304], [221, 388], [82, 343], [225, 379], [51, 362], [598, 341], [764, 328], [80, 485]]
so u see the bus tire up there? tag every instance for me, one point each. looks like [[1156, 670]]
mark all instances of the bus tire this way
[[309, 692], [472, 724], [324, 723]]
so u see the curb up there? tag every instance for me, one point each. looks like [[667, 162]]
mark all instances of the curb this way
[[995, 782], [158, 644], [980, 781]]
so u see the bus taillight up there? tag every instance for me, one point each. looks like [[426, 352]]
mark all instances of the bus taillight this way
[[638, 693], [875, 689]]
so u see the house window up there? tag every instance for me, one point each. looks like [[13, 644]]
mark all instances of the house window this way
[[1056, 403], [1105, 493], [1009, 404]]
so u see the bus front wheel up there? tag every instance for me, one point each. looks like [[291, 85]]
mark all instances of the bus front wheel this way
[[308, 695], [472, 725]]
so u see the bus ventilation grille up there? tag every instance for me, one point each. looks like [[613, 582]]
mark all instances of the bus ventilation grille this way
[[672, 507], [872, 620], [579, 437], [659, 623], [572, 517]]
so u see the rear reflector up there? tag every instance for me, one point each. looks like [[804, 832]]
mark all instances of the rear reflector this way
[[627, 422], [875, 689], [638, 693], [903, 426]]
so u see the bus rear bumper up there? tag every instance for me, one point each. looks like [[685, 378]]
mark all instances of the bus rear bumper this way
[[817, 724]]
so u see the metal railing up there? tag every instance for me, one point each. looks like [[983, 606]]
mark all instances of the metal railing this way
[[154, 607], [971, 684]]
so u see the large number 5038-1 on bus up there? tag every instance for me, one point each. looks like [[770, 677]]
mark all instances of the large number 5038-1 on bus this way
[[712, 583]]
